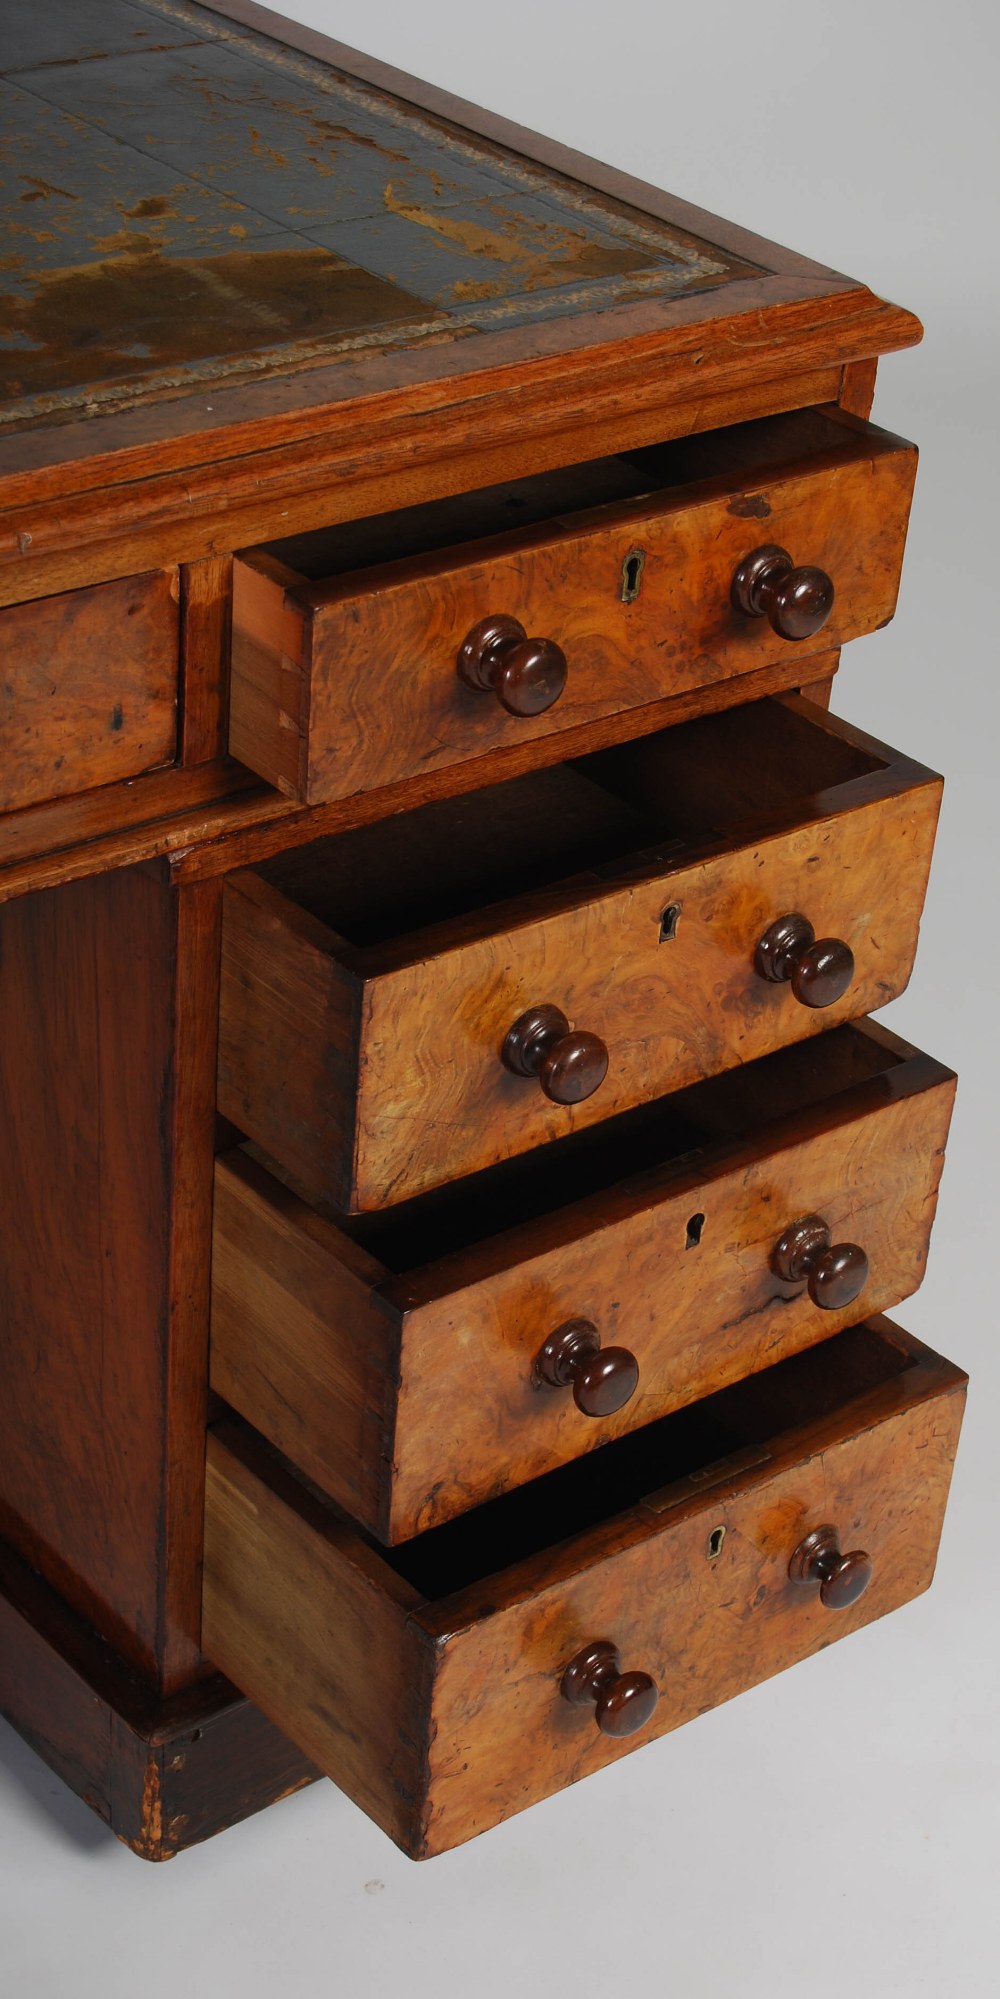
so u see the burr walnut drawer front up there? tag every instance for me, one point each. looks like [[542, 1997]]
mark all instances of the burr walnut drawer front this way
[[377, 650], [492, 1661], [88, 687], [416, 1000], [581, 1293]]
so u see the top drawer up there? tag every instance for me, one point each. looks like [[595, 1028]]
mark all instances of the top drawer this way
[[350, 645]]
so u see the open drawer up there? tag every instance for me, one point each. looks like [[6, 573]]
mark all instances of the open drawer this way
[[569, 1297], [418, 999], [371, 652], [496, 1659]]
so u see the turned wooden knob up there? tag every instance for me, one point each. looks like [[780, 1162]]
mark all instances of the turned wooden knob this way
[[796, 602], [624, 1702], [602, 1378], [834, 1272], [569, 1066], [841, 1578], [818, 969], [526, 675]]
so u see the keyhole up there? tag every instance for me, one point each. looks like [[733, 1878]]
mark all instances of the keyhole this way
[[632, 569], [694, 1229], [669, 921], [715, 1540]]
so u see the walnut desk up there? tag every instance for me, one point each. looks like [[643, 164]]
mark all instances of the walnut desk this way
[[438, 920]]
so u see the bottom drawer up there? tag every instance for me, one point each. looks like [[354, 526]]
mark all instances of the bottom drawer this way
[[676, 1568]]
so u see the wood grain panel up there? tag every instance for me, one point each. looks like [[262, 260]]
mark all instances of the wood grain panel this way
[[189, 1140], [88, 689], [444, 1715], [355, 1374], [107, 1057], [343, 685]]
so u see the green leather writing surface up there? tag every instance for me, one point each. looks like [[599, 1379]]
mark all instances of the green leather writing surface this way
[[185, 201]]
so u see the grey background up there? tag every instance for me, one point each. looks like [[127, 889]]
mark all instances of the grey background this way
[[837, 1829]]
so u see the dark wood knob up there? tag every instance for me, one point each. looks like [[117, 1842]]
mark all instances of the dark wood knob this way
[[569, 1065], [624, 1702], [818, 969], [835, 1272], [602, 1378], [841, 1578], [526, 675], [796, 602]]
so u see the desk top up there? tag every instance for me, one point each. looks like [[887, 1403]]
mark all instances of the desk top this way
[[221, 233], [186, 202]]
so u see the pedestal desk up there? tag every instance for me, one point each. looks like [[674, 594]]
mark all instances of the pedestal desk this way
[[451, 1188]]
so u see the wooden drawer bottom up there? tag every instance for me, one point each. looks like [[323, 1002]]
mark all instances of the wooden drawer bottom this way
[[428, 1682]]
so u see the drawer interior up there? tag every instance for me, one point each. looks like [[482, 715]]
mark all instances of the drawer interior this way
[[597, 817], [658, 1466], [741, 453], [619, 1152]]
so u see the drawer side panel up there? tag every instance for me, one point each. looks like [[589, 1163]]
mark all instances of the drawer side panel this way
[[317, 1638], [288, 1035], [298, 1346], [268, 689]]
